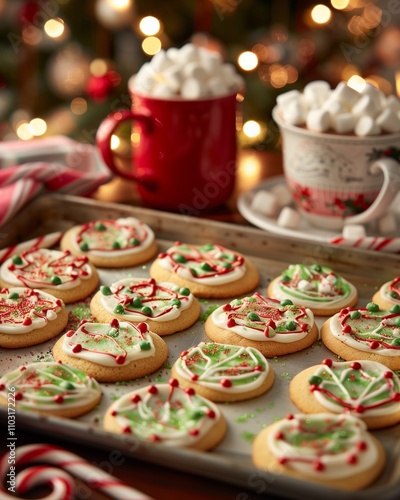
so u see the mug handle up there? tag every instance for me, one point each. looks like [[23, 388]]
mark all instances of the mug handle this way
[[390, 188], [103, 143]]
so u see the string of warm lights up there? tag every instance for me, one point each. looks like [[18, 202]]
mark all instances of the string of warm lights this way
[[264, 59]]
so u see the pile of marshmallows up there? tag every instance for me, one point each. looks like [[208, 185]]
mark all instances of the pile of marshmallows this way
[[343, 110], [189, 73]]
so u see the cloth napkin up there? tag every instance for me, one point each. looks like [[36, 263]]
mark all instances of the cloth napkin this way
[[56, 164]]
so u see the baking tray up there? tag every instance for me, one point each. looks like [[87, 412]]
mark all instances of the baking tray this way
[[231, 460]]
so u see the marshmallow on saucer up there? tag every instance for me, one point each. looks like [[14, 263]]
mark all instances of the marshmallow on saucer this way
[[266, 203], [289, 218], [353, 231]]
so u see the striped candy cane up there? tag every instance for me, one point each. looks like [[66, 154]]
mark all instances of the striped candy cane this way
[[61, 482], [375, 243], [46, 241]]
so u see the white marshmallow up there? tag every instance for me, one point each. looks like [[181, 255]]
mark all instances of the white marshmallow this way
[[324, 287], [146, 78], [305, 285], [353, 231], [388, 121], [346, 94], [365, 106], [393, 103], [295, 112], [315, 93], [192, 88], [187, 53], [194, 70], [287, 97], [163, 90], [217, 86], [387, 223], [172, 53], [289, 218], [283, 194], [366, 126], [343, 123], [210, 60], [266, 203], [160, 61], [334, 107], [229, 72], [375, 94], [318, 120]]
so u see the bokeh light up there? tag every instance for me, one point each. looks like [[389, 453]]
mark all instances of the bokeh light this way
[[38, 126], [321, 14], [149, 26], [248, 61], [151, 45], [54, 28]]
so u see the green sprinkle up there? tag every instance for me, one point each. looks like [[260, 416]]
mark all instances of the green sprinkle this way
[[286, 302], [285, 277], [291, 326], [119, 309], [197, 415], [226, 265], [116, 245], [317, 268], [56, 280], [99, 226], [372, 307], [208, 246], [206, 314], [84, 246], [13, 296], [175, 302], [206, 267], [393, 294], [146, 310], [395, 309], [396, 341], [397, 322], [248, 436], [134, 242], [105, 290], [17, 260], [251, 299], [113, 332], [184, 291], [181, 259], [355, 315], [145, 345], [193, 271], [137, 302], [68, 386], [315, 380], [253, 316]]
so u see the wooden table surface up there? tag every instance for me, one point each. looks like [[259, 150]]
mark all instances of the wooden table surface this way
[[159, 482]]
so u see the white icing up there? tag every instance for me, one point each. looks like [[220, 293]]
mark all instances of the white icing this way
[[385, 293], [161, 309], [215, 372], [108, 347], [28, 300], [336, 465]]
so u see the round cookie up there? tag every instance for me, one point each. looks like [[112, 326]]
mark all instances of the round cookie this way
[[335, 450], [29, 317], [165, 307], [222, 372], [51, 388], [168, 415], [112, 352], [317, 287], [123, 242], [365, 333], [388, 295], [366, 389], [209, 271], [274, 328], [61, 274]]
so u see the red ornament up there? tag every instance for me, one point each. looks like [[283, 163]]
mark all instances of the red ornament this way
[[98, 88]]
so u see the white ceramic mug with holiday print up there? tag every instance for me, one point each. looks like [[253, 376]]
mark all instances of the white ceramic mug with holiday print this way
[[339, 179]]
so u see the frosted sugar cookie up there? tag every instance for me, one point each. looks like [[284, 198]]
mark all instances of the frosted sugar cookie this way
[[122, 242], [336, 450], [366, 389], [388, 295], [274, 328], [51, 389], [222, 372], [316, 287], [112, 352], [29, 317], [365, 333], [165, 307], [210, 271], [61, 274], [169, 415]]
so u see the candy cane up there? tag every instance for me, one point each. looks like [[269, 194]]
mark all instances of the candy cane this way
[[45, 241], [378, 243], [62, 484]]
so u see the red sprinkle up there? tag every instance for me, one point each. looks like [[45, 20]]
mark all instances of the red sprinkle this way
[[184, 353], [283, 460], [154, 438], [318, 466], [136, 398], [142, 327], [173, 382], [225, 382], [77, 348], [194, 432], [70, 333], [114, 413], [327, 362], [120, 360], [355, 365], [18, 396], [230, 323], [361, 445], [27, 321], [374, 344], [347, 329], [359, 409], [388, 374], [152, 389], [22, 369], [258, 368], [114, 323], [211, 414], [279, 435], [194, 377], [396, 396], [2, 387], [127, 430], [227, 307], [352, 459], [290, 416], [58, 399], [190, 391]]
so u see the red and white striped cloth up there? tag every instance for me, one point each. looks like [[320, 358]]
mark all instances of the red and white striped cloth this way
[[57, 164]]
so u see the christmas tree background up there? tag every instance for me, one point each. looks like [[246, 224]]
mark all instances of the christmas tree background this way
[[65, 64]]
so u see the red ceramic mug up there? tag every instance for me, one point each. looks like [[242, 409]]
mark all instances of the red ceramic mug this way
[[185, 160]]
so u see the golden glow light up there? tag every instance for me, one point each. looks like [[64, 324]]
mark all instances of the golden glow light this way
[[356, 82], [98, 67], [38, 126], [135, 138], [251, 128], [115, 142], [54, 28], [120, 4], [24, 131], [340, 4], [398, 83], [248, 60], [78, 106], [149, 26], [321, 14], [151, 45]]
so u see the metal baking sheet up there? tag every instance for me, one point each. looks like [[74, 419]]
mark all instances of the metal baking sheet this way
[[231, 460]]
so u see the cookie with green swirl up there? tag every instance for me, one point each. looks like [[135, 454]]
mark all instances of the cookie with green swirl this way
[[317, 287], [112, 352], [122, 242], [209, 270], [389, 294], [366, 389], [222, 372], [365, 333], [274, 328], [165, 307], [51, 388]]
